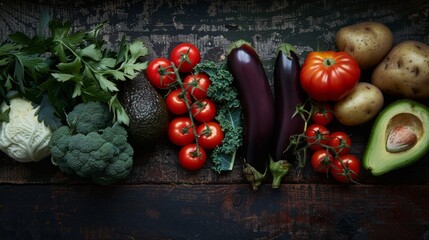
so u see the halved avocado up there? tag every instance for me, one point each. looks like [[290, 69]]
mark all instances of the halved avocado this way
[[398, 137]]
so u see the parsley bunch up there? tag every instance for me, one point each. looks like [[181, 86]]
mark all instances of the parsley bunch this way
[[59, 68]]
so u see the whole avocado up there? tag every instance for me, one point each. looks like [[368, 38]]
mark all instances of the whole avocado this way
[[147, 112]]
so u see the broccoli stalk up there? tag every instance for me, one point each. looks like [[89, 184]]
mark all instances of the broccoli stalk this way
[[90, 146]]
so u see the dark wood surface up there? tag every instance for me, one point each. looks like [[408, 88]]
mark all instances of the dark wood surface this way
[[159, 200]]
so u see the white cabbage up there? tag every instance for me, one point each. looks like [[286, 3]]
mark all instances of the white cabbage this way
[[24, 138]]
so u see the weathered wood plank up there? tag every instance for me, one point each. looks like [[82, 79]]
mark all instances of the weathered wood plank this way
[[309, 25], [296, 211]]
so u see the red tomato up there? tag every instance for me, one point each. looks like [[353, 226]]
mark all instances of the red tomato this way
[[185, 56], [180, 131], [317, 136], [160, 73], [329, 75], [340, 142], [346, 169], [175, 101], [210, 135], [197, 85], [323, 113], [204, 110], [191, 158], [321, 160]]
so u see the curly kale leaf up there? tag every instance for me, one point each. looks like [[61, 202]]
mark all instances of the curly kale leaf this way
[[223, 92], [224, 155]]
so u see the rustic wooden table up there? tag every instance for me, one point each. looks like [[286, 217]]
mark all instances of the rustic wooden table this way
[[159, 200]]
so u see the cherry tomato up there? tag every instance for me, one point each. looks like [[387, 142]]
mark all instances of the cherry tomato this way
[[175, 101], [340, 142], [329, 75], [317, 136], [210, 135], [323, 113], [160, 73], [191, 158], [346, 169], [204, 110], [185, 56], [197, 85], [321, 160], [180, 131]]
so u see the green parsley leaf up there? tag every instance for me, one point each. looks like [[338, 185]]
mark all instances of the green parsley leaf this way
[[92, 52], [62, 77], [4, 116], [46, 113]]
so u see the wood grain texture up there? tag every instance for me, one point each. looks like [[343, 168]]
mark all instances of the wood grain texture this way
[[159, 200], [298, 211]]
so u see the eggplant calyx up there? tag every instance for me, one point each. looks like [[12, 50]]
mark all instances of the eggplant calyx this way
[[287, 50], [278, 170], [236, 44], [253, 176]]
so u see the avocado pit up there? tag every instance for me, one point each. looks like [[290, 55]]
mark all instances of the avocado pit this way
[[403, 132]]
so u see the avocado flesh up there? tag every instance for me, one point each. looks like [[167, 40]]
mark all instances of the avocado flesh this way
[[377, 158]]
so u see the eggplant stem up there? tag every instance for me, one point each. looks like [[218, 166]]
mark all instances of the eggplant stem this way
[[236, 44], [287, 49], [278, 170], [253, 176]]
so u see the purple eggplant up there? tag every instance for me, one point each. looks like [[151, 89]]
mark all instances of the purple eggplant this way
[[288, 94], [257, 102]]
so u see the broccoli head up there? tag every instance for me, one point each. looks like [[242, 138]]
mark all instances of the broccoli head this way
[[103, 154], [89, 117]]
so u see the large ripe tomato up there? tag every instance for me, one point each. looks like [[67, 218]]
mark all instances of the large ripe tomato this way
[[329, 75], [346, 169], [321, 160], [210, 135], [181, 131], [185, 56], [176, 103], [160, 73], [197, 85], [204, 110], [317, 136], [323, 113], [192, 158], [340, 142]]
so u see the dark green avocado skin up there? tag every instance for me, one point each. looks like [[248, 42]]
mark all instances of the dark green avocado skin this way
[[147, 112]]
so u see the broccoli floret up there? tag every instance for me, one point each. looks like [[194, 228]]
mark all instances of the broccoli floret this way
[[90, 117], [61, 139], [104, 154]]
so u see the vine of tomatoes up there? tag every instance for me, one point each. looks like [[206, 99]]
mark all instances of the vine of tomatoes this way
[[331, 153], [193, 126], [329, 150]]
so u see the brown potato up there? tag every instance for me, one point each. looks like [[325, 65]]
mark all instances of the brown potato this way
[[360, 106], [404, 71], [367, 42]]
